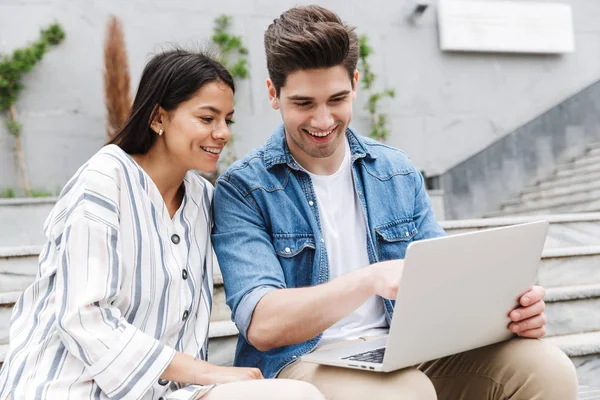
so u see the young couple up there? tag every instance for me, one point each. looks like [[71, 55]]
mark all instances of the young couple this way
[[121, 304]]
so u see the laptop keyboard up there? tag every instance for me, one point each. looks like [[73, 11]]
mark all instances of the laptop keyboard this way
[[372, 356]]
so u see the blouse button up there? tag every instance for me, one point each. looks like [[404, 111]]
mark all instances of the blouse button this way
[[175, 239], [163, 382], [184, 274], [186, 314]]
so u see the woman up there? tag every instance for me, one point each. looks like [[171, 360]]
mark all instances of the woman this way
[[121, 304]]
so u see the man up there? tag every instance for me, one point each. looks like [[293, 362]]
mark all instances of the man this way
[[300, 221]]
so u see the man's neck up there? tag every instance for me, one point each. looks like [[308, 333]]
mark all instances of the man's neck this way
[[319, 166]]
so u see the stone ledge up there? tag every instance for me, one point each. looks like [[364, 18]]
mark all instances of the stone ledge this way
[[514, 220], [20, 251], [582, 292], [588, 393], [3, 352], [565, 199], [9, 298], [222, 329], [563, 252], [580, 344], [25, 201]]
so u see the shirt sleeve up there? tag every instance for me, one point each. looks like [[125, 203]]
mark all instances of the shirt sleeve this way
[[245, 251], [122, 360]]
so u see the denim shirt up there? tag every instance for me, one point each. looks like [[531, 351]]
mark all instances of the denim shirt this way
[[267, 233]]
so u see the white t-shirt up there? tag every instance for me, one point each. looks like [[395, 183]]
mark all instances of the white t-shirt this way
[[345, 234]]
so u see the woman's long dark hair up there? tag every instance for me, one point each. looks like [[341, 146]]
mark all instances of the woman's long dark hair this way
[[169, 78]]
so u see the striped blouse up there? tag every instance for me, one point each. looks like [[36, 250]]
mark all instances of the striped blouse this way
[[120, 287]]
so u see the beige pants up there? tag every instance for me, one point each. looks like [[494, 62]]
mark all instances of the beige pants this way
[[264, 389], [519, 369]]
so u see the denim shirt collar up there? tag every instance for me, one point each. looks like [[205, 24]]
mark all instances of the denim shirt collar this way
[[277, 150]]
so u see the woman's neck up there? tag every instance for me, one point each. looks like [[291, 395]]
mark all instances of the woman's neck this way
[[166, 175]]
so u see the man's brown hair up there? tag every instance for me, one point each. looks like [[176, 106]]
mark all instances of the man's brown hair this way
[[309, 37]]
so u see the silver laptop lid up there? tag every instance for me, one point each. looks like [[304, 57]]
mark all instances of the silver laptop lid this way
[[456, 292]]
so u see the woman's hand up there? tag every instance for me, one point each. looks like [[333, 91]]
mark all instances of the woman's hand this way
[[232, 374], [187, 369]]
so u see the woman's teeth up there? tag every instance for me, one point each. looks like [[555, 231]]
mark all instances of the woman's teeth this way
[[212, 150]]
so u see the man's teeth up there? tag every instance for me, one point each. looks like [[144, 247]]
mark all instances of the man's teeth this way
[[211, 150], [320, 134]]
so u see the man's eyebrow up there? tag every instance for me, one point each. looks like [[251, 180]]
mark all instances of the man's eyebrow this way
[[308, 98]]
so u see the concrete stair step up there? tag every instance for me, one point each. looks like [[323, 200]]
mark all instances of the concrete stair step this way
[[584, 351], [573, 309], [18, 267], [7, 301], [3, 352], [570, 266], [578, 170], [566, 230], [588, 196], [222, 342], [220, 310], [593, 148], [565, 209], [588, 393], [587, 159], [556, 182], [558, 192], [26, 214], [576, 204]]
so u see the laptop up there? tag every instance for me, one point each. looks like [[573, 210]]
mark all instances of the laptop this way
[[455, 295]]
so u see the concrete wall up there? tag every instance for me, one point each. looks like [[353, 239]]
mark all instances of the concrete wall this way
[[498, 173], [448, 106]]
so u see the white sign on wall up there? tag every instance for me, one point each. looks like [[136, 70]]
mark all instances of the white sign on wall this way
[[505, 26]]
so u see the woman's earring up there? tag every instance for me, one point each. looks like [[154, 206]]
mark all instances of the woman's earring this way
[[160, 132]]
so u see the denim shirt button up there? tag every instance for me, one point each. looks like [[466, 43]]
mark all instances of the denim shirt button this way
[[407, 234], [311, 203], [322, 240], [288, 250], [294, 357]]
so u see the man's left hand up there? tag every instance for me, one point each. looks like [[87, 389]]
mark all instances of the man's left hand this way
[[529, 319]]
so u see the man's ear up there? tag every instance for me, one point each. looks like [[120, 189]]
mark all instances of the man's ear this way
[[354, 84], [272, 93], [158, 121]]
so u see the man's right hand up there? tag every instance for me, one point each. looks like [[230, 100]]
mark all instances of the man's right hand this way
[[233, 374], [385, 277]]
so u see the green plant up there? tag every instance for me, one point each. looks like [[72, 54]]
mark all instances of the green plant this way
[[12, 69], [41, 193], [232, 54], [379, 130], [7, 193], [232, 50]]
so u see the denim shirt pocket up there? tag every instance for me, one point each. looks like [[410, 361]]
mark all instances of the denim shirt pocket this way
[[394, 237], [296, 253]]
